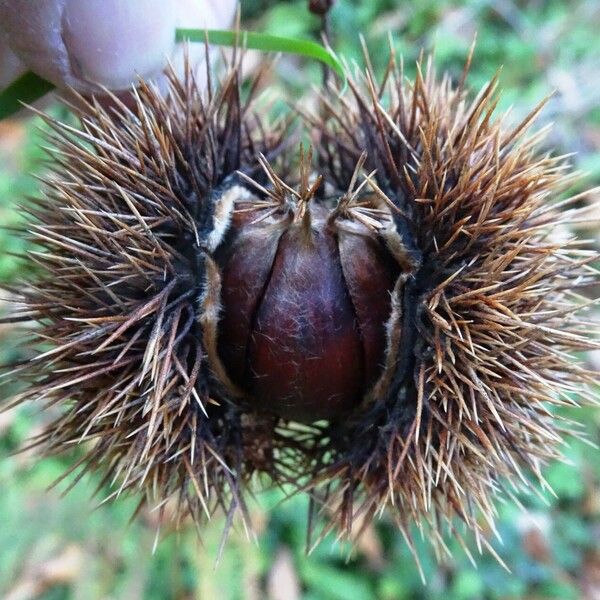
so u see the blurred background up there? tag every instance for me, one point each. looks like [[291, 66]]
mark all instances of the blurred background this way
[[56, 545]]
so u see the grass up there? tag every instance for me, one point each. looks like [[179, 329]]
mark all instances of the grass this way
[[55, 548]]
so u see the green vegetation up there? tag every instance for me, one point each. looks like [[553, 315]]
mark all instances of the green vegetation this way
[[59, 548]]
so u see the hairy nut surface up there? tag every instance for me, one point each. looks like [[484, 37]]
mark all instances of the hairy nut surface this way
[[305, 298]]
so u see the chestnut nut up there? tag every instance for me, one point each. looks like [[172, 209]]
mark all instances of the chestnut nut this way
[[305, 298]]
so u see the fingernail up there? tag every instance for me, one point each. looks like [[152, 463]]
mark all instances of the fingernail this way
[[112, 42]]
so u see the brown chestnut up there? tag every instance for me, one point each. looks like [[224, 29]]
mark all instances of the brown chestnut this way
[[305, 297]]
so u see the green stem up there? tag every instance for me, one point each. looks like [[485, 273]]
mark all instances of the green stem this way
[[266, 43]]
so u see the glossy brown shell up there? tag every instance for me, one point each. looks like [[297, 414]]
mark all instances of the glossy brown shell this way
[[304, 309]]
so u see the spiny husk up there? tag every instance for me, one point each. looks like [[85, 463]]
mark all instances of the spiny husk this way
[[125, 299], [488, 316]]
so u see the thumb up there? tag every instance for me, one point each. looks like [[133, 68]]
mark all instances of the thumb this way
[[111, 42], [85, 43]]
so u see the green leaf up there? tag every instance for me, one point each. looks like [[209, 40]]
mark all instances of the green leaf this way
[[25, 90], [265, 42], [467, 585], [330, 583]]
